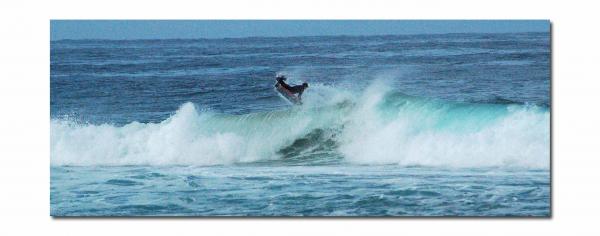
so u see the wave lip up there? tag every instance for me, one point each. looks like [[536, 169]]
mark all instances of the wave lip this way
[[378, 127]]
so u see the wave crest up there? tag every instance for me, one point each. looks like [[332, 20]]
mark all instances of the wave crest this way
[[379, 127]]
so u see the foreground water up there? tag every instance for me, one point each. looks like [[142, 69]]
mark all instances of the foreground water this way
[[276, 190], [420, 125]]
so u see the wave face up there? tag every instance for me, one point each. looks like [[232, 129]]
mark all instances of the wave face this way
[[377, 127]]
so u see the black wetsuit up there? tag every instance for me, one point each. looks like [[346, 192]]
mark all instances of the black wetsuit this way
[[294, 89]]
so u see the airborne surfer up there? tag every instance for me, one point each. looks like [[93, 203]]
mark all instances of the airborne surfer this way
[[298, 89]]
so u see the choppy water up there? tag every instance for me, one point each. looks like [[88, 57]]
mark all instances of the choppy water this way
[[274, 190], [419, 125]]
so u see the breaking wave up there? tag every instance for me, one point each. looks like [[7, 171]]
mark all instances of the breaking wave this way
[[377, 127]]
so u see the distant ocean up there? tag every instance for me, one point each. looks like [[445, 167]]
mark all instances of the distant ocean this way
[[407, 125]]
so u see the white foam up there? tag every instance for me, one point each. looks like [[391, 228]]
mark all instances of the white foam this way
[[519, 138], [180, 140]]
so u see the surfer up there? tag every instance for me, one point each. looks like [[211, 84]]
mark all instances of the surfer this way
[[298, 89]]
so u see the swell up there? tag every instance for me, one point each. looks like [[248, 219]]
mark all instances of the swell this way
[[377, 127]]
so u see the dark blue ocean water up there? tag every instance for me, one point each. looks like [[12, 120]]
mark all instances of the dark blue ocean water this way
[[411, 125]]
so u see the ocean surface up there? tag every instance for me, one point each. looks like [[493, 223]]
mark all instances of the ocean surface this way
[[399, 125]]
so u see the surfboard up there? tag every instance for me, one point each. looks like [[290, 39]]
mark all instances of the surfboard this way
[[287, 94]]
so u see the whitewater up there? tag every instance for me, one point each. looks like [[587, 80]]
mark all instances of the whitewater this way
[[377, 127]]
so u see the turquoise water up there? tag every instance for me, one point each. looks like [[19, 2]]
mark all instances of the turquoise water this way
[[297, 190]]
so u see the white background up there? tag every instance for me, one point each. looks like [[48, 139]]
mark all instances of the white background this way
[[24, 115]]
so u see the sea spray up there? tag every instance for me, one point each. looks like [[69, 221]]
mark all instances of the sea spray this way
[[380, 126], [426, 132]]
